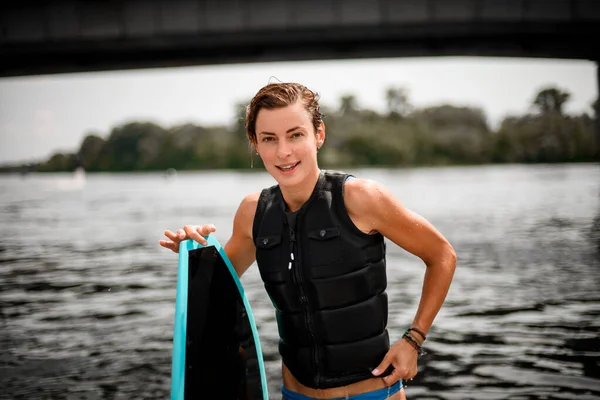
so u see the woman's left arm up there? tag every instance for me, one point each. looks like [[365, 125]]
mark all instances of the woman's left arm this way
[[373, 204]]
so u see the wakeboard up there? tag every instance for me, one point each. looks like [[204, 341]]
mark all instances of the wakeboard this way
[[216, 348]]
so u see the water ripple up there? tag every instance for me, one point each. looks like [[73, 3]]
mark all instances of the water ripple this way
[[87, 305]]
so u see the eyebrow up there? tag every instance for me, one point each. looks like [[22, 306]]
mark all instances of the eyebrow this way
[[288, 131]]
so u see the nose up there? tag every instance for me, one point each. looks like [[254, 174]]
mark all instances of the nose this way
[[284, 149]]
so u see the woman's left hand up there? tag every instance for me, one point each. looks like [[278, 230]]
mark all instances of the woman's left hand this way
[[403, 357]]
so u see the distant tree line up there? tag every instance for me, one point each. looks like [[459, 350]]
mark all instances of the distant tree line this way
[[402, 136]]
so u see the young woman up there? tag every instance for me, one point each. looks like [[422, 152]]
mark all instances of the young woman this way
[[318, 240]]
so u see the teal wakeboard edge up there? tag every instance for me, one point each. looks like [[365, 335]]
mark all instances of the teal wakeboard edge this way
[[181, 341]]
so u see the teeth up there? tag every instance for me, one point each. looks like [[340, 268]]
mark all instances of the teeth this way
[[287, 168]]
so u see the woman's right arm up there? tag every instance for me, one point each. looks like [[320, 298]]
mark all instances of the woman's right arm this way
[[239, 248]]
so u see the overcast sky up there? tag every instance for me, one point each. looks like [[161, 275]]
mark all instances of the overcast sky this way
[[43, 114]]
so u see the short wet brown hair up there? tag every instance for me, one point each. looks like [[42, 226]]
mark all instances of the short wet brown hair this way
[[279, 95]]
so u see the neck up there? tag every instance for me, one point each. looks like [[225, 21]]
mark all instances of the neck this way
[[295, 196]]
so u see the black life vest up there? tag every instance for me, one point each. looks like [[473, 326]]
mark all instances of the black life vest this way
[[327, 281]]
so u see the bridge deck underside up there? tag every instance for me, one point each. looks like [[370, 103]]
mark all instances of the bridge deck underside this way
[[90, 36]]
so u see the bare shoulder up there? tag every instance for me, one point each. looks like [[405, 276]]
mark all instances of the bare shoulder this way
[[247, 209], [362, 195], [364, 200], [250, 201]]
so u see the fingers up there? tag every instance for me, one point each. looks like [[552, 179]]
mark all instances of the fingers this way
[[392, 378], [206, 230], [194, 232], [198, 233], [174, 236], [398, 373], [174, 246], [403, 368], [387, 360]]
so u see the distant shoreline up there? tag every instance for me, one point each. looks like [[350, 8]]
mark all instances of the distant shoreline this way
[[261, 169]]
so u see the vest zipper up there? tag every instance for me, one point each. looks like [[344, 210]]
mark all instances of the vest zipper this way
[[297, 275]]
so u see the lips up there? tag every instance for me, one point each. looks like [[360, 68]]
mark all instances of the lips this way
[[287, 167]]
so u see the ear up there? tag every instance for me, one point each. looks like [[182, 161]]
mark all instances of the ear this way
[[320, 135]]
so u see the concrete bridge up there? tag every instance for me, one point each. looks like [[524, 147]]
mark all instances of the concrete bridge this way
[[73, 36], [77, 35]]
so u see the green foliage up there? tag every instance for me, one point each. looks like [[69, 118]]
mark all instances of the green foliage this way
[[551, 100], [89, 152], [404, 135], [59, 162], [397, 101], [133, 146], [547, 138]]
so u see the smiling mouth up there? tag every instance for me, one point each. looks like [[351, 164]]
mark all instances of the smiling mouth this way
[[289, 167]]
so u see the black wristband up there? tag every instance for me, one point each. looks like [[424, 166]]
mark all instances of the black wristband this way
[[413, 343], [418, 331]]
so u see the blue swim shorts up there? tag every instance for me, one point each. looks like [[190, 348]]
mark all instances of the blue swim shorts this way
[[379, 394]]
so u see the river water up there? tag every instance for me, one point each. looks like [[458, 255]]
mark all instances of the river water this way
[[87, 295]]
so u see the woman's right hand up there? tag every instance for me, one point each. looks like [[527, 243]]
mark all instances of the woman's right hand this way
[[194, 232]]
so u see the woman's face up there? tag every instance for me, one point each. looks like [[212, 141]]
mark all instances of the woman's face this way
[[287, 144]]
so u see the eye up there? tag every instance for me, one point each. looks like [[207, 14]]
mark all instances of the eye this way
[[267, 139], [297, 135]]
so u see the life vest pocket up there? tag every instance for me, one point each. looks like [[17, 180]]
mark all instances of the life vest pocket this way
[[325, 246], [271, 257], [266, 242], [325, 233]]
